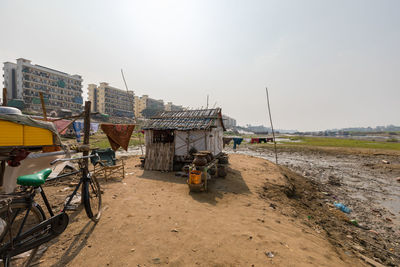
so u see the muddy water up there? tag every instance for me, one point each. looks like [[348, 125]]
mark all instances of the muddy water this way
[[363, 183]]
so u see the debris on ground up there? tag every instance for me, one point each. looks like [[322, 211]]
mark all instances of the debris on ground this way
[[309, 202], [75, 202], [342, 207], [269, 254]]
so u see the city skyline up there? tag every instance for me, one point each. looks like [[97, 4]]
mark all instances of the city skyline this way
[[327, 65]]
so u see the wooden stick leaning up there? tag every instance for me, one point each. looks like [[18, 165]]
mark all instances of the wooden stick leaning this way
[[272, 126]]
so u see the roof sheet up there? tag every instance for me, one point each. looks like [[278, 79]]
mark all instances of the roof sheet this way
[[185, 120]]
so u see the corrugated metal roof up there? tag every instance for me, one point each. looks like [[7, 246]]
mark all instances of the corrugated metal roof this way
[[202, 119]]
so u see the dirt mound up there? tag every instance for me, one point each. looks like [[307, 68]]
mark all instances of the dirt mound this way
[[303, 198]]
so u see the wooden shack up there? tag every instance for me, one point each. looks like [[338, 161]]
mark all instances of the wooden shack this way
[[171, 136]]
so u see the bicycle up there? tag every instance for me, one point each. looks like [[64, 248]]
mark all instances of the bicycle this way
[[23, 223]]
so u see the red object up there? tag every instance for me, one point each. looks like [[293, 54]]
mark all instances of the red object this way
[[61, 124], [118, 134], [16, 155], [255, 140]]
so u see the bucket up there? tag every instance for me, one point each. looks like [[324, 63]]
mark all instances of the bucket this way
[[195, 177]]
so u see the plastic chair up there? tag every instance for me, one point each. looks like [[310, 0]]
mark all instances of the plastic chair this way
[[106, 163]]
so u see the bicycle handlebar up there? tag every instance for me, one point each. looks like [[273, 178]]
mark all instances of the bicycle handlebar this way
[[70, 159]]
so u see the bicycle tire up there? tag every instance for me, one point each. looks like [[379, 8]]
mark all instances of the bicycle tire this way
[[36, 215], [91, 194]]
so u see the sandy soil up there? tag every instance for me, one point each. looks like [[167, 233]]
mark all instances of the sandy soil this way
[[358, 178], [150, 218]]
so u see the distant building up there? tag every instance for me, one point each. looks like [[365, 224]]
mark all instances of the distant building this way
[[110, 100], [147, 105], [171, 107], [24, 81], [229, 122]]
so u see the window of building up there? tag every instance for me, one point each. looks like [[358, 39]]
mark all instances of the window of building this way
[[163, 136]]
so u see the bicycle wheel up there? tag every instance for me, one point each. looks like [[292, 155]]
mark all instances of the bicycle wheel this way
[[91, 194], [18, 212]]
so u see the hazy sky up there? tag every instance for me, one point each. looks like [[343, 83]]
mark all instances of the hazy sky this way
[[327, 64]]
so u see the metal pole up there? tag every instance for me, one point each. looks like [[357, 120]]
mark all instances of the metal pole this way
[[272, 126]]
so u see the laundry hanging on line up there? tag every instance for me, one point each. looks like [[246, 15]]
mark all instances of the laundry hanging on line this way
[[78, 126], [237, 141], [94, 127], [118, 135], [61, 125]]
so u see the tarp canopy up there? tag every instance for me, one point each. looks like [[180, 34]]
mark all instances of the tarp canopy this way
[[27, 120]]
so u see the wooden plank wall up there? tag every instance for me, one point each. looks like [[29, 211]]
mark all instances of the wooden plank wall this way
[[159, 156]]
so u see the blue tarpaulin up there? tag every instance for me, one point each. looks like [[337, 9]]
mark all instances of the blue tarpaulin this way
[[78, 126]]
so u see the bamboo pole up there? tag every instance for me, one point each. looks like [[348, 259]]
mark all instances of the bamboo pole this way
[[133, 110], [272, 126], [43, 106]]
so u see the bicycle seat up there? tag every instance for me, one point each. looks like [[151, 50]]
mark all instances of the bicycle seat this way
[[35, 179]]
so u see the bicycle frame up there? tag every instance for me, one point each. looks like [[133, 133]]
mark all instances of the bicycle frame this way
[[44, 231]]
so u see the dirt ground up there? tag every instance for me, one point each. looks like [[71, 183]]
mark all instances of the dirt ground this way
[[364, 180], [150, 218]]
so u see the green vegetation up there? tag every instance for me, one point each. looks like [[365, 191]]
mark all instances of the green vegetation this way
[[337, 142], [392, 139], [101, 140]]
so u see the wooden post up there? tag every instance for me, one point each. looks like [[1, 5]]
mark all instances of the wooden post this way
[[4, 96], [205, 140], [2, 171], [86, 135], [188, 142], [3, 162], [43, 106]]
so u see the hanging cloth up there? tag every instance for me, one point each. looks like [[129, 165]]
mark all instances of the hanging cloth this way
[[237, 141], [78, 126], [61, 126], [226, 140], [94, 127], [118, 134]]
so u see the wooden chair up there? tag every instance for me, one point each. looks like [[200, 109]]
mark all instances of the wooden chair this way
[[106, 163]]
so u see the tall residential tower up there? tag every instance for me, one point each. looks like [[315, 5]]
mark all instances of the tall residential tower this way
[[24, 81], [110, 100]]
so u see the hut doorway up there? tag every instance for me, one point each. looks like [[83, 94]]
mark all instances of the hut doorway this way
[[160, 150]]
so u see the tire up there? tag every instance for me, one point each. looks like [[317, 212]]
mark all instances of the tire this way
[[91, 194], [36, 215]]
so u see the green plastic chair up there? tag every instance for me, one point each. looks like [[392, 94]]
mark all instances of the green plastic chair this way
[[106, 163], [106, 157]]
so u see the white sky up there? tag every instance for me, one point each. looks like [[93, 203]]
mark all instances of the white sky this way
[[327, 64]]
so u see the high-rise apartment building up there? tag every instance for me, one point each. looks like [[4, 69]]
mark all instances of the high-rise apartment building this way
[[228, 121], [171, 107], [144, 102], [24, 81], [110, 100]]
